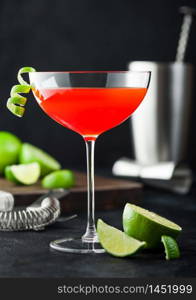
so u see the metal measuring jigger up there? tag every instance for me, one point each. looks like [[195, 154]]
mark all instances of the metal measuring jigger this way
[[164, 175]]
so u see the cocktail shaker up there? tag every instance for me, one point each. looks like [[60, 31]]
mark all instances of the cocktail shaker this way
[[160, 126]]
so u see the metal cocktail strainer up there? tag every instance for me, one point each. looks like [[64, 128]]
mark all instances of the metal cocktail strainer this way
[[39, 214]]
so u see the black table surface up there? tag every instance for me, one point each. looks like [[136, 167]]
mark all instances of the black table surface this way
[[27, 254]]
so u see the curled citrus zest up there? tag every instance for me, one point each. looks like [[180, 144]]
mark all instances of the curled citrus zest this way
[[16, 102], [22, 71]]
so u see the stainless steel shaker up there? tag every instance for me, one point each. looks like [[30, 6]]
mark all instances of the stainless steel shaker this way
[[160, 126]]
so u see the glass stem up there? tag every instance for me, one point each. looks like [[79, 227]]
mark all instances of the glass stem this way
[[90, 234]]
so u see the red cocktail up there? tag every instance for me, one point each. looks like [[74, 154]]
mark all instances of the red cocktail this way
[[88, 103], [89, 111]]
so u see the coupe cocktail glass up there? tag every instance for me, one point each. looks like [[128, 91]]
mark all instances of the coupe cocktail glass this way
[[88, 103]]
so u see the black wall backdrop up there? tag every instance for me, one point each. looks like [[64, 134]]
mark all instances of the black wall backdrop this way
[[82, 35]]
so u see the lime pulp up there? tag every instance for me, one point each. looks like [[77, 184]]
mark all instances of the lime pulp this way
[[117, 242]]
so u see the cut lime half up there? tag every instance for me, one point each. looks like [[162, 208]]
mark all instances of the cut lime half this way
[[147, 226], [172, 250], [25, 173], [117, 242]]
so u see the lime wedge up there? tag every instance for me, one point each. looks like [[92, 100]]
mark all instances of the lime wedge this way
[[147, 226], [25, 174], [9, 175], [117, 242], [10, 147], [59, 179], [30, 153], [171, 247]]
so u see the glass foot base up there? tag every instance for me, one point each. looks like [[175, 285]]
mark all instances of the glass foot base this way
[[76, 245]]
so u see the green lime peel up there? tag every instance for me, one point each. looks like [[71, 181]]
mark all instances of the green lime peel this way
[[16, 102]]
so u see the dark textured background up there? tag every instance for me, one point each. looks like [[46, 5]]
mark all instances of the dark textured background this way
[[82, 35]]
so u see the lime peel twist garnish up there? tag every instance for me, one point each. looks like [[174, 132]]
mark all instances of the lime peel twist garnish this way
[[17, 102]]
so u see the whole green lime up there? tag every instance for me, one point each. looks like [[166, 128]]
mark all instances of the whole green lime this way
[[59, 179], [10, 147]]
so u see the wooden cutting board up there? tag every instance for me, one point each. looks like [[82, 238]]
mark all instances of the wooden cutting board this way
[[110, 193]]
